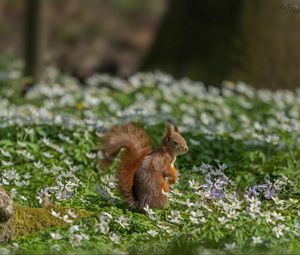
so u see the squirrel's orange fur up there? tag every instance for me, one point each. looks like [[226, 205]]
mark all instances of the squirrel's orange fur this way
[[143, 174]]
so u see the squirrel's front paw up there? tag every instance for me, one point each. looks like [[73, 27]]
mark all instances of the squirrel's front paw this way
[[171, 180]]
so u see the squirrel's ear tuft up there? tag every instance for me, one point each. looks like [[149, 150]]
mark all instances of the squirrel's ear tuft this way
[[170, 128], [175, 128]]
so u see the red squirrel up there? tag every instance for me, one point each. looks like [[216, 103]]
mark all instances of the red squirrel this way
[[143, 173]]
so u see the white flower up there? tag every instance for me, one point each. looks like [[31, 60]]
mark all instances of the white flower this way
[[194, 142], [268, 218], [103, 227], [25, 154], [91, 155], [162, 225], [222, 220], [256, 240], [175, 213], [68, 162], [196, 217], [150, 212], [294, 201], [58, 149], [66, 219], [72, 214], [232, 214], [73, 168], [278, 201], [152, 233], [167, 194], [5, 153], [55, 247], [47, 155], [175, 217], [176, 192], [123, 221], [55, 214], [21, 144], [277, 216], [194, 220], [110, 180], [115, 238], [4, 251], [27, 176], [297, 229], [76, 239], [202, 220], [55, 235], [65, 138], [7, 163], [29, 131], [11, 174], [23, 198], [18, 183], [229, 246], [254, 205], [13, 192], [15, 245], [278, 230], [189, 203], [73, 228], [194, 184], [38, 164], [104, 216], [46, 141], [274, 139]]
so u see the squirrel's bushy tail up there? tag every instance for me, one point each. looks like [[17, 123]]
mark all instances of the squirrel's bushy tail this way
[[136, 144]]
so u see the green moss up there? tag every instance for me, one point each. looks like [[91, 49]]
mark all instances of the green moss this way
[[6, 231], [27, 220]]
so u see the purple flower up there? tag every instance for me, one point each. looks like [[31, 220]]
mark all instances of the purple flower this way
[[268, 189], [215, 183], [269, 193]]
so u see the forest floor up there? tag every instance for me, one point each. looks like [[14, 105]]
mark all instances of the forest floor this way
[[239, 184]]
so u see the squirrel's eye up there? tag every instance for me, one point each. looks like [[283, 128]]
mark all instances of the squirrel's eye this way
[[175, 142]]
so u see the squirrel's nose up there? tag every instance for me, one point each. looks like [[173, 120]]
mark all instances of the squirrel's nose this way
[[186, 149]]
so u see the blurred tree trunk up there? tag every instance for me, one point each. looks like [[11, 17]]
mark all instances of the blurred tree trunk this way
[[268, 44], [195, 39], [34, 41], [256, 41]]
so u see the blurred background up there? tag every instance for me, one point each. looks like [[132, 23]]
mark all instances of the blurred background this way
[[256, 41]]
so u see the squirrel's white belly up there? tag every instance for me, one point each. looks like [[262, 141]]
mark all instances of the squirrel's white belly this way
[[172, 164]]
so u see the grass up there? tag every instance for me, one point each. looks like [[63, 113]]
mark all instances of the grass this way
[[239, 184]]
